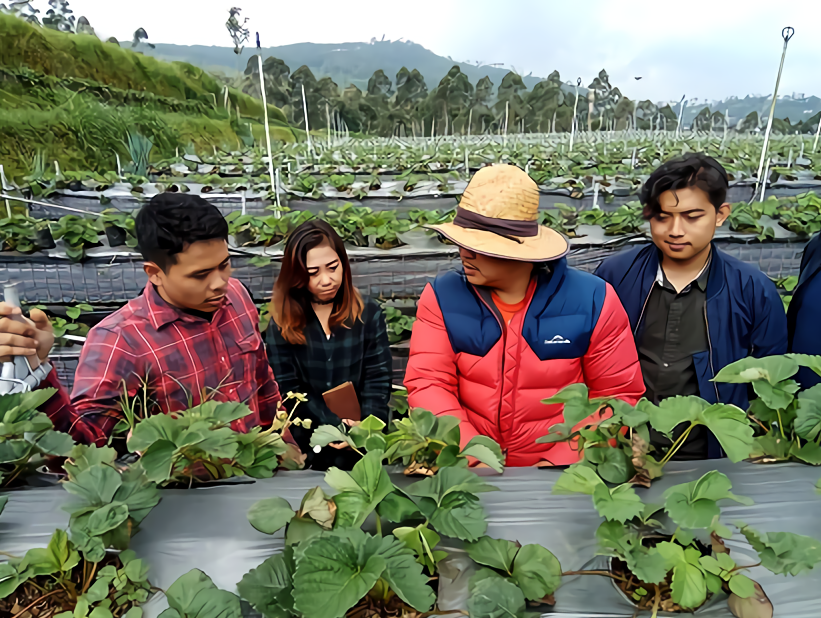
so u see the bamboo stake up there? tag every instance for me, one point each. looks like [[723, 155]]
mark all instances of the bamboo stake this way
[[574, 123], [328, 122], [265, 110], [786, 34], [817, 133]]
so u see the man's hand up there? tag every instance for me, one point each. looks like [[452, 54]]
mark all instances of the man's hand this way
[[31, 337], [342, 445]]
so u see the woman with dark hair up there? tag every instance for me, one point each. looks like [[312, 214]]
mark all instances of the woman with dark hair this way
[[324, 334]]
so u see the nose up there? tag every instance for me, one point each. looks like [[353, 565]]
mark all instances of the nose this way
[[677, 228], [218, 282]]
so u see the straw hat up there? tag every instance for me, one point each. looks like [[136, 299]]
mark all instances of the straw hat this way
[[499, 216]]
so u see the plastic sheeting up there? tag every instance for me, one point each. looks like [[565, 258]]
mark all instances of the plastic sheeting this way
[[207, 529]]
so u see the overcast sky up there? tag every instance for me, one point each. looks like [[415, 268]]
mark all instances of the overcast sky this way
[[710, 49]]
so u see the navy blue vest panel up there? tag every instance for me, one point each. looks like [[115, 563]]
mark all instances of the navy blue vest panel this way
[[559, 322]]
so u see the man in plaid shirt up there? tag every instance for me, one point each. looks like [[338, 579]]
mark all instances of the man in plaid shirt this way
[[193, 334]]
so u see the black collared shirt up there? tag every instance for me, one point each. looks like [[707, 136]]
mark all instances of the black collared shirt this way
[[674, 329]]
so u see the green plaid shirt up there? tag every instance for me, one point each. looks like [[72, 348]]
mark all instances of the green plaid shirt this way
[[359, 354]]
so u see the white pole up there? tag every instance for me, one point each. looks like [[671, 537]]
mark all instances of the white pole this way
[[120, 167], [305, 113], [5, 188], [680, 115], [764, 184], [817, 132], [265, 110], [786, 34]]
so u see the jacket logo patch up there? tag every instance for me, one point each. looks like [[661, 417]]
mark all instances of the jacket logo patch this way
[[556, 339]]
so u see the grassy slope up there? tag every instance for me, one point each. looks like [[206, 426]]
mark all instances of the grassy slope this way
[[75, 97]]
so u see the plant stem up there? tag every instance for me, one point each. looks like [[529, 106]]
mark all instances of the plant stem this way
[[35, 602], [740, 567], [603, 573], [90, 577], [780, 424], [656, 603], [378, 524], [677, 445]]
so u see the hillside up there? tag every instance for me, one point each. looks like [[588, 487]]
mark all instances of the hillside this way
[[345, 63], [74, 99]]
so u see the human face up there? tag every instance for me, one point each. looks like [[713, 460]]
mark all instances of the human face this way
[[198, 280], [685, 226], [324, 272], [491, 272]]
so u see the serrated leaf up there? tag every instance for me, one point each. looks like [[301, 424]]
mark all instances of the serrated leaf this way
[[194, 595], [485, 450], [398, 508], [361, 490], [618, 504], [537, 572], [689, 586], [694, 505], [577, 480], [784, 552], [772, 369], [808, 415], [494, 553], [269, 587], [742, 586], [494, 597]]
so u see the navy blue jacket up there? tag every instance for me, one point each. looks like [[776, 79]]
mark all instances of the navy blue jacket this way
[[803, 318], [743, 311]]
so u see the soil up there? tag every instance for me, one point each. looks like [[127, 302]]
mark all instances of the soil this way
[[395, 608], [42, 597], [629, 584]]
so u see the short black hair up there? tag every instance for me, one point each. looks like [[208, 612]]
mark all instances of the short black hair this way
[[690, 170], [171, 222]]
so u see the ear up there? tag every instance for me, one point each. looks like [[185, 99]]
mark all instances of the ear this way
[[723, 212], [154, 272]]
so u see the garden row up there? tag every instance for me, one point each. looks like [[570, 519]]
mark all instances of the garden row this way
[[785, 218], [370, 542]]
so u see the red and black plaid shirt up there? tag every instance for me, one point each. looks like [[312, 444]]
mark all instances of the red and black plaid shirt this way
[[181, 357]]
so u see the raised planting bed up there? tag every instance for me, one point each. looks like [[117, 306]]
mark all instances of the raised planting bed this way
[[207, 529]]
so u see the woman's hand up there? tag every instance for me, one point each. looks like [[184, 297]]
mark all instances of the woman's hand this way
[[343, 445]]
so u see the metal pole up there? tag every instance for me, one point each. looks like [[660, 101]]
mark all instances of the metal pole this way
[[305, 112], [786, 34], [817, 132], [265, 110], [680, 115]]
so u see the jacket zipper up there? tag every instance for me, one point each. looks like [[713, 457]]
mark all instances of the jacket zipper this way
[[710, 351], [643, 308], [502, 367]]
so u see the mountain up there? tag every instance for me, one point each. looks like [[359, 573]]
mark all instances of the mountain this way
[[796, 107], [345, 63]]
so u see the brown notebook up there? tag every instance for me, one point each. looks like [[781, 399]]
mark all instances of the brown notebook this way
[[343, 402]]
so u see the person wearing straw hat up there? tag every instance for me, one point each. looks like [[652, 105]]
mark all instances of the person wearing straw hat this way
[[515, 326]]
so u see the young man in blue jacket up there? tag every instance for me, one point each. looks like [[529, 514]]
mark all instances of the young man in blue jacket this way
[[802, 316], [693, 308]]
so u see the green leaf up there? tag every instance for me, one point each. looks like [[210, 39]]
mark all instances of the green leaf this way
[[158, 460], [324, 435], [771, 369], [55, 443], [333, 574], [783, 552], [398, 508], [194, 595], [301, 529], [694, 505], [404, 575], [495, 553], [577, 479], [485, 450], [648, 565], [269, 587], [620, 503], [731, 428], [270, 515], [107, 518], [495, 597], [316, 505], [361, 490], [808, 416], [777, 396], [3, 501], [577, 408], [422, 540], [689, 586], [742, 586], [616, 466], [537, 572]]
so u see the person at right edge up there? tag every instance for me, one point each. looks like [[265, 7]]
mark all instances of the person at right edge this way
[[803, 323], [693, 308]]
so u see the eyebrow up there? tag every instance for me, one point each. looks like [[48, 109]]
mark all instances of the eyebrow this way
[[208, 270], [683, 212], [329, 264]]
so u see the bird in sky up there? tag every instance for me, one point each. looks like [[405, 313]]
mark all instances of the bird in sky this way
[[637, 78]]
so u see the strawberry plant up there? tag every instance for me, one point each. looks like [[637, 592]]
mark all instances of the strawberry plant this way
[[331, 567], [27, 437], [199, 445], [787, 422], [677, 565], [62, 583], [399, 324], [108, 503], [78, 234], [194, 595], [421, 441], [613, 437]]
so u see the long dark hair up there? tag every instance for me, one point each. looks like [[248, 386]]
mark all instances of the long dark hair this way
[[291, 300]]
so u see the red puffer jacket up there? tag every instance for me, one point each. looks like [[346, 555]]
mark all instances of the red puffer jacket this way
[[464, 364]]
